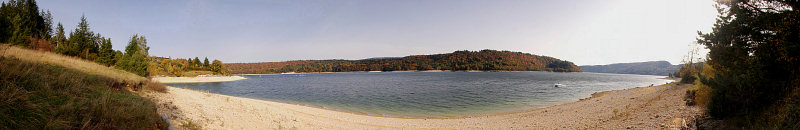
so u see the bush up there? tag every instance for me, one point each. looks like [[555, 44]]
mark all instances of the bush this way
[[702, 92], [155, 86]]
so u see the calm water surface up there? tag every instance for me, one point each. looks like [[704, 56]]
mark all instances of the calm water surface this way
[[426, 94]]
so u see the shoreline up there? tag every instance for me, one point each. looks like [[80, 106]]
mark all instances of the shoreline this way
[[217, 111], [403, 71], [198, 79]]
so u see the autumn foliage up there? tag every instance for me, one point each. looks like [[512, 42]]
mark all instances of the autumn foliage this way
[[484, 60]]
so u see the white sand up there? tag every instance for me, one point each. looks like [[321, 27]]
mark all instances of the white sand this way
[[638, 108], [198, 79]]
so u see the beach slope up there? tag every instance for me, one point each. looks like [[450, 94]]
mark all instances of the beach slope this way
[[638, 108]]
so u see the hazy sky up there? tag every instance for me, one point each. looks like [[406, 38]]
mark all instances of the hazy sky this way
[[586, 32]]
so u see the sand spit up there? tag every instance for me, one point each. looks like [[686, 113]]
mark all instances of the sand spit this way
[[637, 108], [198, 79]]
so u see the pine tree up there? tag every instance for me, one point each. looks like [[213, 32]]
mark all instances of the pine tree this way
[[106, 54], [81, 40], [196, 62], [60, 39], [754, 49], [21, 21], [136, 57], [205, 62]]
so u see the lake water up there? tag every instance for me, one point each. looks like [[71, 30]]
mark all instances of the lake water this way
[[426, 94]]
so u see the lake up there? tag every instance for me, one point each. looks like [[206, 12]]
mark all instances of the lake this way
[[426, 94]]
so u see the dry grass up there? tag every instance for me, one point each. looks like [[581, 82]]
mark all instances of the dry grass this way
[[195, 73], [45, 96], [74, 63], [188, 124], [155, 86]]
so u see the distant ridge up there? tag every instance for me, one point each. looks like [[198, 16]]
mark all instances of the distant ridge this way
[[484, 60], [381, 58], [643, 68]]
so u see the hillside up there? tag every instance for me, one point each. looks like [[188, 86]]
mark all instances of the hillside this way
[[43, 90], [643, 68], [73, 63], [484, 60]]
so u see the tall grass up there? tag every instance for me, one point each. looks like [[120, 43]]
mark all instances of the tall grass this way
[[42, 96], [74, 63], [155, 86]]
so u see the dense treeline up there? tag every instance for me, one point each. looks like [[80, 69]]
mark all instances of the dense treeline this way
[[41, 95], [179, 67], [753, 67], [644, 68], [22, 24], [484, 60]]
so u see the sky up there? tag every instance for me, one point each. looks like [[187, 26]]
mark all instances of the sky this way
[[586, 32]]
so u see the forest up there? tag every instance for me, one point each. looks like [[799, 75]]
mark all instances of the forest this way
[[750, 78], [484, 60], [54, 78], [186, 67], [23, 24]]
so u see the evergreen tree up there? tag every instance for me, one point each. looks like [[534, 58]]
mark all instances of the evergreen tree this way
[[106, 54], [755, 51], [81, 40], [21, 21], [205, 62], [47, 30], [117, 56], [135, 59], [196, 62], [60, 39]]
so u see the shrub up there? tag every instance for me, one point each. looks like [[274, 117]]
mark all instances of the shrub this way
[[155, 86]]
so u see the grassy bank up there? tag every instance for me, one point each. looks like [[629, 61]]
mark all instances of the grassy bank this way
[[42, 90], [73, 63]]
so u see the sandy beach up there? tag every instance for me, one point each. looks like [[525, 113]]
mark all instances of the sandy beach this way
[[198, 79], [638, 108]]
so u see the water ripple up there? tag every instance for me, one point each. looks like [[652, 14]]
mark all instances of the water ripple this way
[[420, 94]]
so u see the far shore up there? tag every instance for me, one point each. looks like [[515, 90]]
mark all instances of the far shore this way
[[399, 71], [198, 79], [657, 107]]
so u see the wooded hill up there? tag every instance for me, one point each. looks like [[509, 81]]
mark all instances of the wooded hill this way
[[644, 68], [484, 60]]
